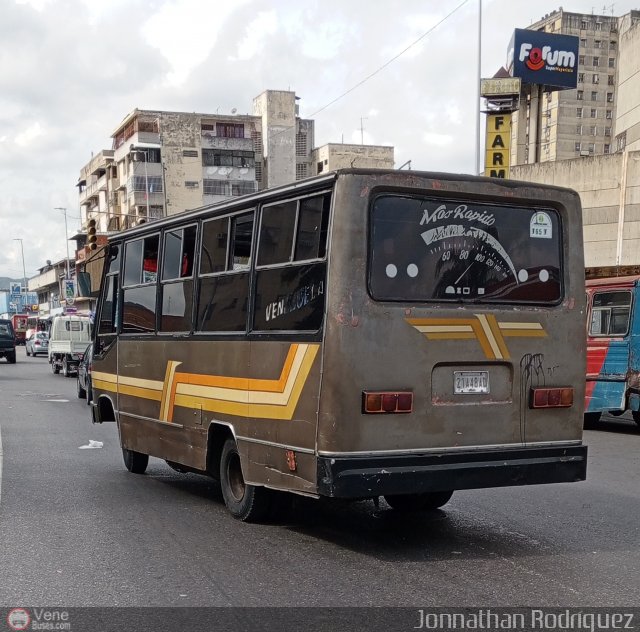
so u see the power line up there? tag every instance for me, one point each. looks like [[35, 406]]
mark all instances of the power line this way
[[390, 61], [380, 68]]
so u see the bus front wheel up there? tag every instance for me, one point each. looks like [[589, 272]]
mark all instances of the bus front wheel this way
[[419, 502], [245, 502], [135, 462]]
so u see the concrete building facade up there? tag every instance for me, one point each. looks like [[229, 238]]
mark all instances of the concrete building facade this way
[[627, 123], [609, 188], [48, 284], [340, 156]]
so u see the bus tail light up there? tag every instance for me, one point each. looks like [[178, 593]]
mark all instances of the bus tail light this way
[[551, 397], [385, 402]]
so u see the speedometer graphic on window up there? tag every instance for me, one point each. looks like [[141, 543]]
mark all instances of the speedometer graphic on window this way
[[426, 248], [468, 260]]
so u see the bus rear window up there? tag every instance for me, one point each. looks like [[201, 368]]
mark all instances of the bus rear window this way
[[433, 249]]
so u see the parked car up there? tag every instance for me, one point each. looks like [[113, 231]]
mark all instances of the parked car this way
[[7, 341], [84, 375], [37, 343]]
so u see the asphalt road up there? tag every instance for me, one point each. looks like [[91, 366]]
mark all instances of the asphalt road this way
[[76, 529]]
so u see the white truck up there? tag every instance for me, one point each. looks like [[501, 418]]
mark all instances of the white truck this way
[[68, 339]]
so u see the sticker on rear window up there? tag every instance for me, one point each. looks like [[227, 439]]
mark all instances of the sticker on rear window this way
[[540, 226]]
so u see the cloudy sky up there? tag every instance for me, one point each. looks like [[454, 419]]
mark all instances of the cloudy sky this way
[[70, 70]]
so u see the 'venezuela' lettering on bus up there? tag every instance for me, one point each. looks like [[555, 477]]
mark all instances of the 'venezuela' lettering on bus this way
[[460, 212], [294, 301]]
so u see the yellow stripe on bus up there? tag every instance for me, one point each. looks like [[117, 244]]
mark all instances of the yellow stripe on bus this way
[[216, 400], [262, 398], [485, 328]]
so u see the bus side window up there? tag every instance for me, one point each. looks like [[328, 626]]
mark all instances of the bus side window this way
[[610, 314], [141, 261], [313, 222], [188, 252], [150, 260], [291, 273], [213, 254], [242, 231], [178, 253], [224, 284], [276, 233], [177, 283], [139, 293]]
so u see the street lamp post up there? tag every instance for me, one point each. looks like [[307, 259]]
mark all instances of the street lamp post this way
[[24, 274], [66, 235]]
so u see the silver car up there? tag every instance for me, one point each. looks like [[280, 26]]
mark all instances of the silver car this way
[[38, 343]]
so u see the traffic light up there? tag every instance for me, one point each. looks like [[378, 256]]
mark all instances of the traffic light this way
[[92, 238]]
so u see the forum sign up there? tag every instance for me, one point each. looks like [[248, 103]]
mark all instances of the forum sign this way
[[544, 58]]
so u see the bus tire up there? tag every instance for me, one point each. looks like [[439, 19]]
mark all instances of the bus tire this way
[[419, 502], [135, 462], [245, 502], [636, 416], [591, 420]]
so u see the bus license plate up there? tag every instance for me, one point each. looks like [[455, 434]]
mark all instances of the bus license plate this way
[[470, 382]]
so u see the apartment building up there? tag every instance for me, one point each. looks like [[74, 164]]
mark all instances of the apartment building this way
[[564, 124], [162, 163]]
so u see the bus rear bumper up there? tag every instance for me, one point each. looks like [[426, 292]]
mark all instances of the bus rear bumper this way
[[369, 476]]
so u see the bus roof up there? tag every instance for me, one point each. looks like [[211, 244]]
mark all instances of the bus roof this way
[[622, 281], [412, 178]]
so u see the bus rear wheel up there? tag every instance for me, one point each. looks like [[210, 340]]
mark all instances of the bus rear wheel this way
[[245, 502], [135, 462], [419, 502]]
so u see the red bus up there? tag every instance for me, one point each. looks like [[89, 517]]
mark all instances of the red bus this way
[[20, 324]]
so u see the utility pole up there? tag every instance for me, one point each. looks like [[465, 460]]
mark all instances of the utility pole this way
[[66, 236], [362, 130], [477, 165], [24, 275]]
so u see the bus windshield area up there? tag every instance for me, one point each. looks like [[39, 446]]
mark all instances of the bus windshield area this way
[[610, 313], [434, 249]]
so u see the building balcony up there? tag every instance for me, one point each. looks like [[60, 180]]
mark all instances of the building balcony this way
[[222, 142]]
